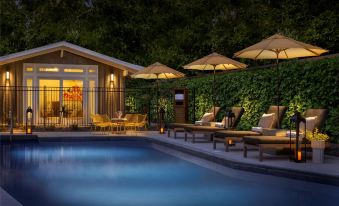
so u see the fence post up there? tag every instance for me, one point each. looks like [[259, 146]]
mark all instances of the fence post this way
[[10, 122]]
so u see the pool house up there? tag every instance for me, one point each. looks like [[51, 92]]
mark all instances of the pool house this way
[[63, 83]]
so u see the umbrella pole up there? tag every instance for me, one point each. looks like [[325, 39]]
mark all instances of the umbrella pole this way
[[157, 96], [214, 93], [278, 88]]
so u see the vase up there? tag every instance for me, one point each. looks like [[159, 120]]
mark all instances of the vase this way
[[318, 147]]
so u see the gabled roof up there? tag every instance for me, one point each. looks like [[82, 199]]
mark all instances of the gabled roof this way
[[72, 48]]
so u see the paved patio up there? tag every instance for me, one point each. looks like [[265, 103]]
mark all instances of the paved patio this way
[[272, 164]]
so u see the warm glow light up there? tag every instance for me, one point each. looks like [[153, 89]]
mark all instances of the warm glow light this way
[[162, 130], [299, 155], [112, 77], [7, 75], [230, 141], [29, 131], [74, 70], [48, 69]]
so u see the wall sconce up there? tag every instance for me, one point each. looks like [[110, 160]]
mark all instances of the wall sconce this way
[[29, 120], [112, 79], [7, 75]]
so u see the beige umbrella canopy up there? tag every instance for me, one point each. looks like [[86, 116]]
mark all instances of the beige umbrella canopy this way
[[215, 62], [157, 71], [279, 47]]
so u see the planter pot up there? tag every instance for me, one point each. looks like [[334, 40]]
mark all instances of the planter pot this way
[[318, 148]]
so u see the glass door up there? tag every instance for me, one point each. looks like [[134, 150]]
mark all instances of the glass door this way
[[49, 102], [72, 102]]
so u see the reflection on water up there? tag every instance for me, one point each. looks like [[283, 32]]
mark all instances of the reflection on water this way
[[132, 173]]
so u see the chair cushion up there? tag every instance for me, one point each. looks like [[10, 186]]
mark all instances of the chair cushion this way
[[257, 129], [207, 117], [225, 122], [266, 140], [310, 124], [234, 133], [266, 121], [202, 128], [177, 125]]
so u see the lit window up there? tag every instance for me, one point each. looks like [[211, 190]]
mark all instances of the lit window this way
[[92, 70], [48, 69], [29, 69], [74, 70]]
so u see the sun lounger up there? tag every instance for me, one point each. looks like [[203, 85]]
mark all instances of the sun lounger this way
[[267, 122], [281, 139], [180, 127], [213, 127]]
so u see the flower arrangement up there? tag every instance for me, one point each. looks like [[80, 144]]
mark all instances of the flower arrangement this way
[[316, 135]]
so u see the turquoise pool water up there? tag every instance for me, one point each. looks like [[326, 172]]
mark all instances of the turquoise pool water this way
[[134, 173]]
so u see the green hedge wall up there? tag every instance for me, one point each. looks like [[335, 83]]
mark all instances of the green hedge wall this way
[[308, 84]]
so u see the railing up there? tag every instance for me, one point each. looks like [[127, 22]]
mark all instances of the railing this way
[[55, 107]]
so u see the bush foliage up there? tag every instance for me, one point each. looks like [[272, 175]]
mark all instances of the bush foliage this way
[[308, 84]]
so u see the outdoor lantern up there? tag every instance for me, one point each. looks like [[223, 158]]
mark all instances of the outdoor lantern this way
[[29, 120], [162, 121], [297, 153], [230, 118]]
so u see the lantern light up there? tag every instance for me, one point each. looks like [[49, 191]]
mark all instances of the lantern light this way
[[29, 120], [112, 77], [162, 121]]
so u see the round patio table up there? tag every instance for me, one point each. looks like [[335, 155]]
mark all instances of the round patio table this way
[[120, 124]]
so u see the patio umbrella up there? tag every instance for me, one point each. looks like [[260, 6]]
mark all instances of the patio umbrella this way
[[215, 62], [158, 71], [279, 47]]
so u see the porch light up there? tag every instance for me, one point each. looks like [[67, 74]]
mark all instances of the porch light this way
[[112, 79], [29, 120], [7, 75]]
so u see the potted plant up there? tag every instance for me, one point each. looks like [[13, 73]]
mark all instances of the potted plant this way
[[318, 145]]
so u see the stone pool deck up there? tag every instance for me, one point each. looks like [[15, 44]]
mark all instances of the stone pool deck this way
[[278, 165]]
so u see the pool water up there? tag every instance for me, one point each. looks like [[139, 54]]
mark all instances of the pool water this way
[[134, 173]]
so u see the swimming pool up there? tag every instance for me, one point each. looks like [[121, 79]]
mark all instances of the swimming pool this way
[[135, 172]]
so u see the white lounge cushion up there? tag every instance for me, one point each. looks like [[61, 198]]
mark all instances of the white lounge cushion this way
[[207, 117], [310, 124], [257, 129], [266, 121]]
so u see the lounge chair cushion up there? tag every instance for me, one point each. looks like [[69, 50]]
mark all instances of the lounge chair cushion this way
[[202, 128], [257, 129], [207, 117], [234, 133], [266, 140], [224, 122], [177, 125], [266, 121], [310, 124]]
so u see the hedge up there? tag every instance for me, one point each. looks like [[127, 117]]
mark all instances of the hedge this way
[[306, 84]]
